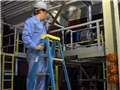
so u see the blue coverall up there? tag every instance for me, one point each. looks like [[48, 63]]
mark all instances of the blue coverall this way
[[33, 29]]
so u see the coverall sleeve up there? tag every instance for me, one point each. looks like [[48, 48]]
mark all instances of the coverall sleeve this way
[[27, 34]]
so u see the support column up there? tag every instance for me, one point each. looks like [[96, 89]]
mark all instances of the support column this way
[[109, 29], [1, 34], [117, 28]]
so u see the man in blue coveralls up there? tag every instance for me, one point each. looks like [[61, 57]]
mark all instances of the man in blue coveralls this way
[[34, 27]]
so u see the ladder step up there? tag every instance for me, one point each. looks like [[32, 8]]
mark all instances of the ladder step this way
[[39, 74], [7, 79], [57, 59], [7, 89], [7, 70], [8, 61]]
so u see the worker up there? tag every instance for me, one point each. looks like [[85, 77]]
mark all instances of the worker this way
[[34, 27]]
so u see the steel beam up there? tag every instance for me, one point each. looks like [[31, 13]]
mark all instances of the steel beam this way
[[109, 30], [54, 20]]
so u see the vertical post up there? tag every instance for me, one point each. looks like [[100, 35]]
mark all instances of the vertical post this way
[[71, 39], [17, 43], [15, 40], [57, 76], [104, 69], [98, 35], [117, 28], [109, 30], [63, 34], [1, 49], [16, 66]]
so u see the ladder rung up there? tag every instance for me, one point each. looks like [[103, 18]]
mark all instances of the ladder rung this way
[[39, 74], [8, 61], [7, 89], [7, 70], [7, 79], [57, 59]]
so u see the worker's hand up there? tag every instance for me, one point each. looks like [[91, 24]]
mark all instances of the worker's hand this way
[[39, 47]]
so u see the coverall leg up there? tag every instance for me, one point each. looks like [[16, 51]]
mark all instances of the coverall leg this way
[[43, 67]]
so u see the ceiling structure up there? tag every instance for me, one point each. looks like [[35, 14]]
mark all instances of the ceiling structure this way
[[16, 12]]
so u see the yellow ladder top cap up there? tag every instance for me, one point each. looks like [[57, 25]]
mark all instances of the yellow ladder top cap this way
[[50, 36]]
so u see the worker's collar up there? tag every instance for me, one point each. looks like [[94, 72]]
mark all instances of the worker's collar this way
[[36, 18]]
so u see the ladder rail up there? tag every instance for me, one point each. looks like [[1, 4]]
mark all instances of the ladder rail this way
[[50, 61], [64, 67], [3, 59], [12, 77]]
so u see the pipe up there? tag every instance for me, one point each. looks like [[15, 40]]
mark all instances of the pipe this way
[[75, 26], [89, 15], [98, 36]]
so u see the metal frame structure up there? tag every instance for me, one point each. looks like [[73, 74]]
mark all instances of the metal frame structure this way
[[100, 49], [19, 54]]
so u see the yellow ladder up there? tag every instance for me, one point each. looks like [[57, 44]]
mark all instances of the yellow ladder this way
[[7, 60]]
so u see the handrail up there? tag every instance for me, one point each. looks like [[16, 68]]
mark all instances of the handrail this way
[[75, 26]]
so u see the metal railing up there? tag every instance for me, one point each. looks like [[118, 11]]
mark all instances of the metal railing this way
[[13, 41], [18, 33], [97, 27]]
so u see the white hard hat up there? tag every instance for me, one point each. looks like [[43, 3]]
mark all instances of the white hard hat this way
[[40, 5]]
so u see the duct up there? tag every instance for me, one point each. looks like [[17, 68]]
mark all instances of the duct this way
[[70, 2], [89, 19], [89, 15], [89, 11]]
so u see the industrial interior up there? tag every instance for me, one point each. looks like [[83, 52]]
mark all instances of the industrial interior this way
[[89, 35]]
